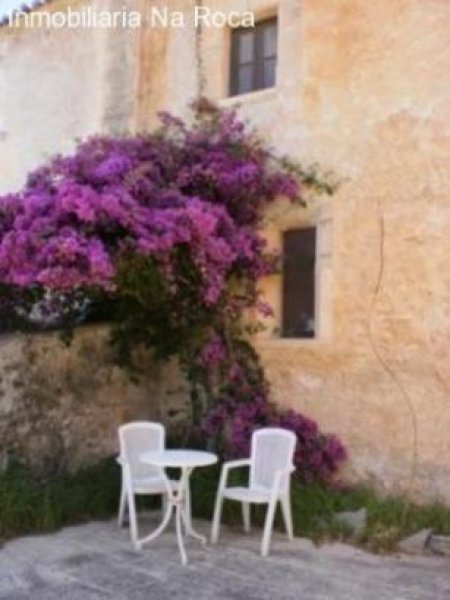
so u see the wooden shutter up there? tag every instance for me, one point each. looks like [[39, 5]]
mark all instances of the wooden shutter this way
[[266, 53]]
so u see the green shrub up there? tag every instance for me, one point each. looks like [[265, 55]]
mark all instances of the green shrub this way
[[29, 505]]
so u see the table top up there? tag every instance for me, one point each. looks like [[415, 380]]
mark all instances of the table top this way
[[179, 458]]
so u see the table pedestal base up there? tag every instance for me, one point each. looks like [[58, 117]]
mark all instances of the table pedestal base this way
[[176, 501]]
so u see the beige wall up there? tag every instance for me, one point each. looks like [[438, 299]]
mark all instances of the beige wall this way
[[363, 89], [60, 85]]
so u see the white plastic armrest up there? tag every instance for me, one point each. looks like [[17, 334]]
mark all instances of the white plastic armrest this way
[[126, 471], [278, 475], [285, 471], [236, 464], [228, 466]]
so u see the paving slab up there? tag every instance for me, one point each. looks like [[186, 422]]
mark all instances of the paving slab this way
[[96, 561]]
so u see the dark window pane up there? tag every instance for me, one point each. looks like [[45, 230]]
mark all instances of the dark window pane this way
[[269, 33], [245, 79], [299, 248], [246, 46], [269, 73], [253, 57]]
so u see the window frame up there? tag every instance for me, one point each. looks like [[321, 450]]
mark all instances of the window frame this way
[[258, 59], [280, 218], [312, 232]]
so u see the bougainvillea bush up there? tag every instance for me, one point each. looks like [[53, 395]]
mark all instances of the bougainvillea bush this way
[[231, 423], [161, 231]]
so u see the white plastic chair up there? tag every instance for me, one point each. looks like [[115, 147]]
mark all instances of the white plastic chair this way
[[138, 478], [271, 465]]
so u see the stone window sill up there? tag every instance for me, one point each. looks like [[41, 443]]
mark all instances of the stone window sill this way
[[250, 98], [289, 342]]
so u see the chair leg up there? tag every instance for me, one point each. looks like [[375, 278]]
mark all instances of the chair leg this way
[[188, 505], [268, 526], [122, 506], [246, 516], [133, 517], [216, 519], [164, 504], [286, 510]]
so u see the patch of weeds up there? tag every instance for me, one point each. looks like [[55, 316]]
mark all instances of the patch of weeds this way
[[314, 508], [391, 519], [29, 505]]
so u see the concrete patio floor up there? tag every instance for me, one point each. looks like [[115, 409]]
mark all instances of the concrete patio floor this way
[[95, 561]]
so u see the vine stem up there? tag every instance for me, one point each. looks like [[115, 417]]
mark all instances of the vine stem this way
[[198, 53], [384, 362]]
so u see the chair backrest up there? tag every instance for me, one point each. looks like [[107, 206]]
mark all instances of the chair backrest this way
[[272, 449], [139, 437]]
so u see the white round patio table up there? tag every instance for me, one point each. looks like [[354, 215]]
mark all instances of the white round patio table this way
[[187, 461]]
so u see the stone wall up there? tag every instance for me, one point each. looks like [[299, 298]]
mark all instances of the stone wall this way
[[60, 406]]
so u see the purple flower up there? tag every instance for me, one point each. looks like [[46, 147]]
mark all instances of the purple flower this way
[[317, 456]]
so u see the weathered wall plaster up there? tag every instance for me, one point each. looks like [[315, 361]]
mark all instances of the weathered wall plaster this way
[[61, 85]]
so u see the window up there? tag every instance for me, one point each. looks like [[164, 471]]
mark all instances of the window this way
[[254, 57], [299, 261]]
